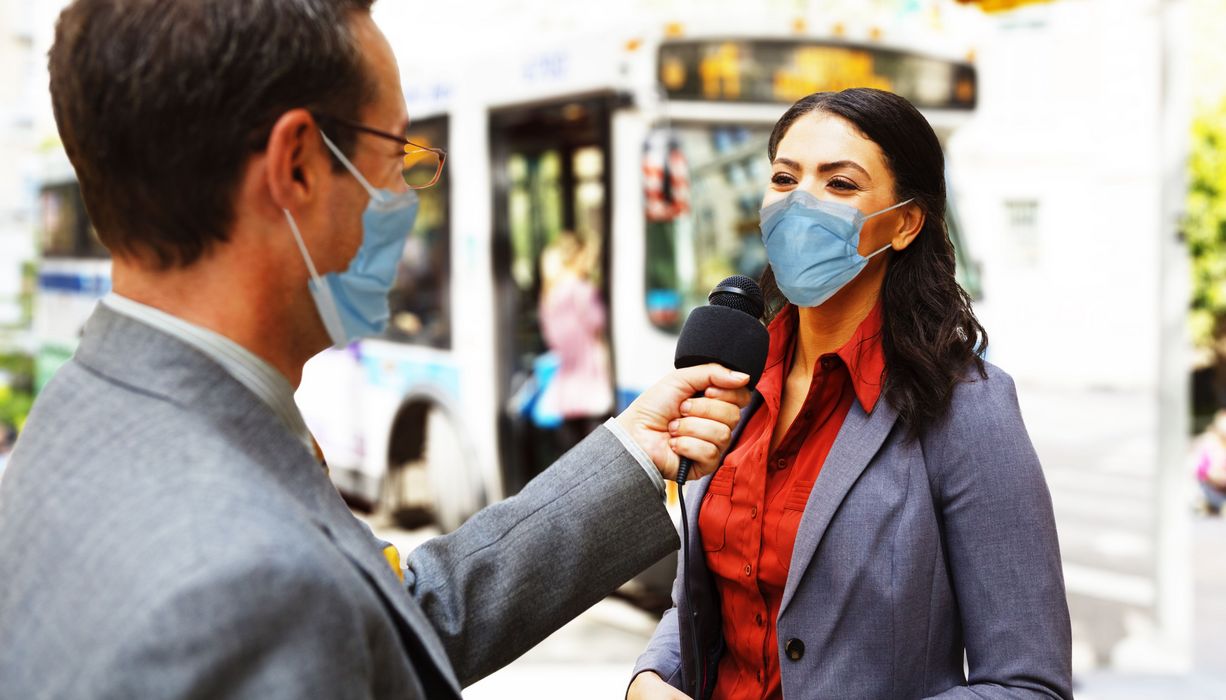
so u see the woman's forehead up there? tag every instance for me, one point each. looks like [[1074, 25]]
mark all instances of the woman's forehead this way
[[821, 137]]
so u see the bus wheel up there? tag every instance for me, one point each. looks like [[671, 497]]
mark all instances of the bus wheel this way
[[430, 478]]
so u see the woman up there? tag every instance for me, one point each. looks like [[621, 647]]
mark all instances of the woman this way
[[573, 317], [882, 511]]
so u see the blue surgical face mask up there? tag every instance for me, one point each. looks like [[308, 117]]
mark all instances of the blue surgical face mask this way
[[813, 245], [353, 303]]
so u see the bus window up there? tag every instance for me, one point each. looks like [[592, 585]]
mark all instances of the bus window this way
[[420, 300], [704, 189], [589, 202], [65, 230]]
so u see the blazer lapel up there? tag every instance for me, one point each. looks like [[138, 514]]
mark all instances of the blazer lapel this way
[[858, 441], [419, 635]]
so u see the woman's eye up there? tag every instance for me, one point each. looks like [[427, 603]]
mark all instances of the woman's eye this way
[[782, 179], [843, 185]]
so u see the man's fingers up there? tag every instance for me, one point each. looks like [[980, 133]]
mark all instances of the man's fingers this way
[[722, 411], [740, 397], [714, 432], [704, 454], [700, 377]]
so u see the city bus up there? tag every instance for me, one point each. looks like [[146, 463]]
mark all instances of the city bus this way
[[74, 269], [651, 150]]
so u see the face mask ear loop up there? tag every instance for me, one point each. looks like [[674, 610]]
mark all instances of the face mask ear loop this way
[[908, 201], [293, 226], [374, 194], [332, 322], [873, 254]]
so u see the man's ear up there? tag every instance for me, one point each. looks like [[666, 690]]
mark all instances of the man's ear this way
[[295, 159], [910, 223]]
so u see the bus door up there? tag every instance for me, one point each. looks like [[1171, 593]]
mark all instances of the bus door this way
[[551, 174]]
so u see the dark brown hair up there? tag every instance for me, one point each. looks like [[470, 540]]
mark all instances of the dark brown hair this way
[[930, 334], [160, 103]]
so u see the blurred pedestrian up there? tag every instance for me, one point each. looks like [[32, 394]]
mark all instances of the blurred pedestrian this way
[[167, 527], [882, 516], [573, 321], [1211, 463]]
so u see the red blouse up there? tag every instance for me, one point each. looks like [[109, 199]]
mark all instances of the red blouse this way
[[752, 508]]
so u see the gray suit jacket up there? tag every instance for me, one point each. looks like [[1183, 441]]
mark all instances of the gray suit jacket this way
[[909, 553], [163, 535]]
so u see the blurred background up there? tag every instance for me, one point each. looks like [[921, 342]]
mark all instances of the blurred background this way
[[612, 157]]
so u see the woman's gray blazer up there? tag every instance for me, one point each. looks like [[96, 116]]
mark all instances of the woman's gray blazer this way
[[909, 553]]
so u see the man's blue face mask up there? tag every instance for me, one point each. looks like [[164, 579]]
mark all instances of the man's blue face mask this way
[[813, 245], [353, 303]]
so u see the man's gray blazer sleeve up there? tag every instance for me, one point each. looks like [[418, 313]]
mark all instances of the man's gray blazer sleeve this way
[[522, 568], [1002, 549]]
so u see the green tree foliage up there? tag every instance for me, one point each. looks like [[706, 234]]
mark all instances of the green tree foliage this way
[[16, 398], [1205, 231]]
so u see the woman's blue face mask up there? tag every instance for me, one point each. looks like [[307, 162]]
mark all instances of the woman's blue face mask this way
[[353, 303], [813, 245]]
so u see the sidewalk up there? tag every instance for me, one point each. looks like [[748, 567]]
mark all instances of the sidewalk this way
[[1107, 685]]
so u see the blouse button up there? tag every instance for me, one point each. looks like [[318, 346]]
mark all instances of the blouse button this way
[[753, 512], [827, 362], [759, 619], [782, 463], [748, 569]]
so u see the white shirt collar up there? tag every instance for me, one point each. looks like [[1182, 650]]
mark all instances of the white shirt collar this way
[[261, 378]]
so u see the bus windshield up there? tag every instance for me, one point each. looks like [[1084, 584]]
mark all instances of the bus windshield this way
[[704, 188]]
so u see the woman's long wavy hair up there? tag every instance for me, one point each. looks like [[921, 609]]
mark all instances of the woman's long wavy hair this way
[[931, 336]]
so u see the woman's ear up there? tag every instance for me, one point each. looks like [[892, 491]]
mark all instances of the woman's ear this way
[[910, 223]]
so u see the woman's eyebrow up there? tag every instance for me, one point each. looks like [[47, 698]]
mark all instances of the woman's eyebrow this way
[[787, 163], [839, 164], [824, 167]]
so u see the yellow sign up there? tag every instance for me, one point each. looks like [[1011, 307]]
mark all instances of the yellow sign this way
[[1000, 5], [827, 69], [721, 73]]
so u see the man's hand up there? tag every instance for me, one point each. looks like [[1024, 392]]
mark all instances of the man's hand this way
[[666, 422], [649, 686]]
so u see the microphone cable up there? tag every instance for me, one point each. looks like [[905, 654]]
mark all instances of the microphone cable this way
[[683, 471]]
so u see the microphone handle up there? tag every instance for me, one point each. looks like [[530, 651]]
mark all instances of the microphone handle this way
[[683, 470], [686, 464]]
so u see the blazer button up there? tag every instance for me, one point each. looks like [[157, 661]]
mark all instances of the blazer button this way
[[795, 649]]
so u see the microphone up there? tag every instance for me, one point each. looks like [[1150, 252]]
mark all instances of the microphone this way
[[727, 332]]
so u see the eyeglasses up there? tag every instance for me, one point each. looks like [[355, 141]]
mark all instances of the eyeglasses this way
[[422, 165]]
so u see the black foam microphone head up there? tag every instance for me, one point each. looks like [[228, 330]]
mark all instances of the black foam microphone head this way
[[739, 292], [728, 331]]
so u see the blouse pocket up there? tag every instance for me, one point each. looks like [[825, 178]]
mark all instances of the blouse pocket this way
[[793, 511], [716, 507]]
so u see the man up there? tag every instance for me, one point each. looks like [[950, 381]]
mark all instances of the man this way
[[165, 528]]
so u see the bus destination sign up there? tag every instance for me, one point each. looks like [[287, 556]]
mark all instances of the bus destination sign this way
[[779, 71]]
